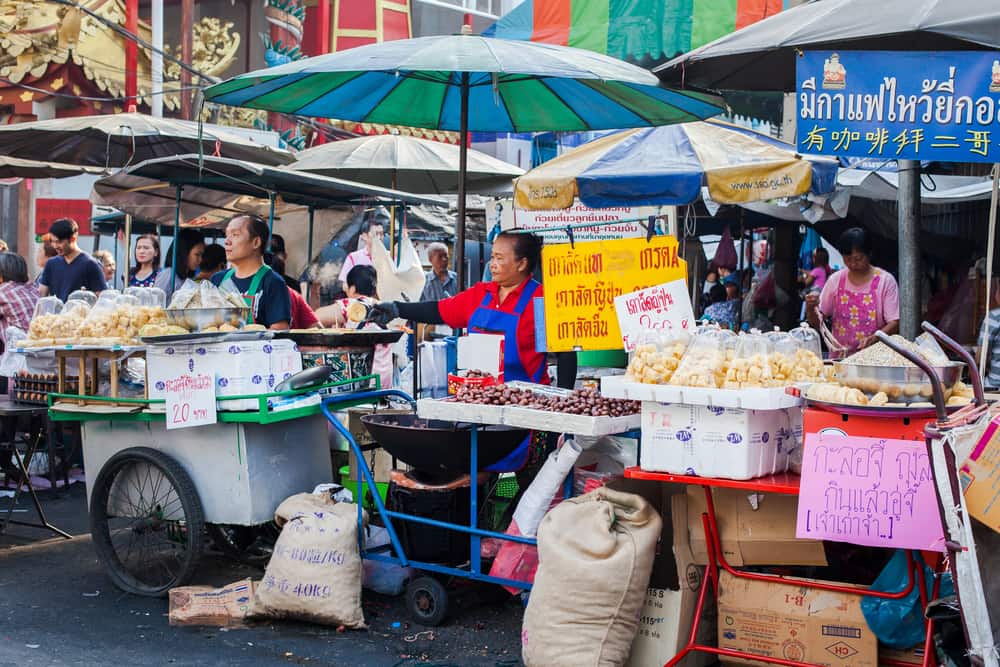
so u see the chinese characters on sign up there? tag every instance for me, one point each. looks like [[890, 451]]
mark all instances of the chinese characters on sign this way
[[868, 491], [661, 309], [583, 280], [913, 105]]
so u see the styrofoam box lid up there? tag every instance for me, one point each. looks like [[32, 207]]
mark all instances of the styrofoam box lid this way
[[750, 399]]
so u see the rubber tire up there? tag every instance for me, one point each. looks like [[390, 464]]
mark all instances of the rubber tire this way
[[190, 502], [438, 597]]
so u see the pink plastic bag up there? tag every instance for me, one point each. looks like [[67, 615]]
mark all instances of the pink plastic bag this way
[[515, 560]]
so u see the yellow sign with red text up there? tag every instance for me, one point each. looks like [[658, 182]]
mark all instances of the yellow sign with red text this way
[[582, 280]]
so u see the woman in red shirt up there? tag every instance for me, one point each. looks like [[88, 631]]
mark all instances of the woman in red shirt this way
[[503, 306]]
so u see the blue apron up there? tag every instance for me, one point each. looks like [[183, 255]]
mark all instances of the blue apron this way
[[490, 320]]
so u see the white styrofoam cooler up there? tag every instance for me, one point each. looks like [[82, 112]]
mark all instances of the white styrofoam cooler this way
[[241, 368], [732, 443]]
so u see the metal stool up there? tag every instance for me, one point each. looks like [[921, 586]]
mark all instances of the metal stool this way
[[37, 430]]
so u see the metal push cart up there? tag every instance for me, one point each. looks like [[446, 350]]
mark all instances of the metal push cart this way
[[426, 596], [155, 495]]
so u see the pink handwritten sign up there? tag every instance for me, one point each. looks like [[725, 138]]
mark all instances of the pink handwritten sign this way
[[662, 308], [868, 491]]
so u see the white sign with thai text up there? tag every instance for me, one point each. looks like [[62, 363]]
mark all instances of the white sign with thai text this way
[[624, 222], [190, 401], [663, 308]]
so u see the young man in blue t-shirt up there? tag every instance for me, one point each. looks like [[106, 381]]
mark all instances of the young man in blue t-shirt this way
[[71, 269], [263, 289]]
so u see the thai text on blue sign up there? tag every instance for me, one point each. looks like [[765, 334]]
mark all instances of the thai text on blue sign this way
[[913, 105]]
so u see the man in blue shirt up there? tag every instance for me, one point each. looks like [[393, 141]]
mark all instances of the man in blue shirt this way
[[71, 269], [441, 282], [263, 289]]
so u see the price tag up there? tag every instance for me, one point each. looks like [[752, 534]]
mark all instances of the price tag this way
[[665, 308], [191, 401]]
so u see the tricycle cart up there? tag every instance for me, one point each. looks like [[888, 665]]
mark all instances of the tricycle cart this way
[[155, 494]]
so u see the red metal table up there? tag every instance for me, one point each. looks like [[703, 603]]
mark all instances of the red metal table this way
[[785, 484]]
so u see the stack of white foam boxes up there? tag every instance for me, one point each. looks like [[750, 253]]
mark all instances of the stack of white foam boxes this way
[[243, 368]]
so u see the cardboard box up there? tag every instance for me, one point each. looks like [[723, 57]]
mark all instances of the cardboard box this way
[[733, 443], [912, 656], [762, 533], [204, 605], [794, 623], [669, 610], [980, 477], [481, 352], [244, 368]]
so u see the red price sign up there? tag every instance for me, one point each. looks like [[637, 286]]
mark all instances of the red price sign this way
[[191, 401]]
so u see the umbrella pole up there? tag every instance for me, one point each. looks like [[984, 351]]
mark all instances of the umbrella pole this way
[[463, 156], [128, 246], [909, 248], [270, 216], [990, 249], [177, 235], [309, 251]]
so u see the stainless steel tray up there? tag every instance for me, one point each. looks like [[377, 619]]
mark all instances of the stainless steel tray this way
[[902, 384]]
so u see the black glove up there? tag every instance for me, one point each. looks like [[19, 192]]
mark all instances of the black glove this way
[[383, 313]]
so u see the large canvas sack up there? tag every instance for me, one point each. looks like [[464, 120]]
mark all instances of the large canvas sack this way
[[595, 557], [315, 571]]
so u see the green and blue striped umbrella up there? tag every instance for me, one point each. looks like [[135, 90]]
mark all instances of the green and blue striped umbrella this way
[[468, 83]]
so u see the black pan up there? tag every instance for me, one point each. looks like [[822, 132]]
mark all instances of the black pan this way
[[319, 338], [436, 446]]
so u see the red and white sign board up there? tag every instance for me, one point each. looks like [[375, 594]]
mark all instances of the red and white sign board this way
[[190, 401], [663, 308]]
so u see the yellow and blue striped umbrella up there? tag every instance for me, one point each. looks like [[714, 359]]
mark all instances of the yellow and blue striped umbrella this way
[[668, 166]]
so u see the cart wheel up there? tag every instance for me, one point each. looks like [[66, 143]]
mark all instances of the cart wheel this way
[[427, 600], [146, 522]]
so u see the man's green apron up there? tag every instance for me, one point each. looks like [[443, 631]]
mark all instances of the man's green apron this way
[[250, 296]]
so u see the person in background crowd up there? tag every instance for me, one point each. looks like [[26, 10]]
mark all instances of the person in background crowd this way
[[45, 252], [372, 232], [18, 295], [107, 261], [3, 246], [213, 260], [73, 269], [441, 282], [816, 278], [303, 316], [190, 250], [263, 289], [277, 251], [991, 339], [722, 309], [147, 262], [711, 280], [360, 285], [858, 300]]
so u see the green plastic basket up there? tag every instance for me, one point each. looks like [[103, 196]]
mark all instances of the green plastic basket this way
[[351, 485], [507, 486], [602, 359]]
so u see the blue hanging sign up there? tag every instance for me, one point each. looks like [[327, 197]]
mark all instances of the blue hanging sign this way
[[900, 105]]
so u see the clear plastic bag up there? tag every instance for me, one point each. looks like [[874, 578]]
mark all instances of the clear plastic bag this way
[[10, 361], [705, 362], [113, 320], [83, 295], [657, 357], [751, 364]]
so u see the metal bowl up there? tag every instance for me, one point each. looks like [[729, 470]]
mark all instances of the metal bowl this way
[[902, 384], [199, 319]]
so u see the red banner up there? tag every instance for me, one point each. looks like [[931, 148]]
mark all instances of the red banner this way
[[48, 211]]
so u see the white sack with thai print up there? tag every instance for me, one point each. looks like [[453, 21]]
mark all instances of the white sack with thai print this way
[[596, 555], [315, 571]]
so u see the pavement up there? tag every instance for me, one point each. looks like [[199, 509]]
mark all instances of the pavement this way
[[57, 607]]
